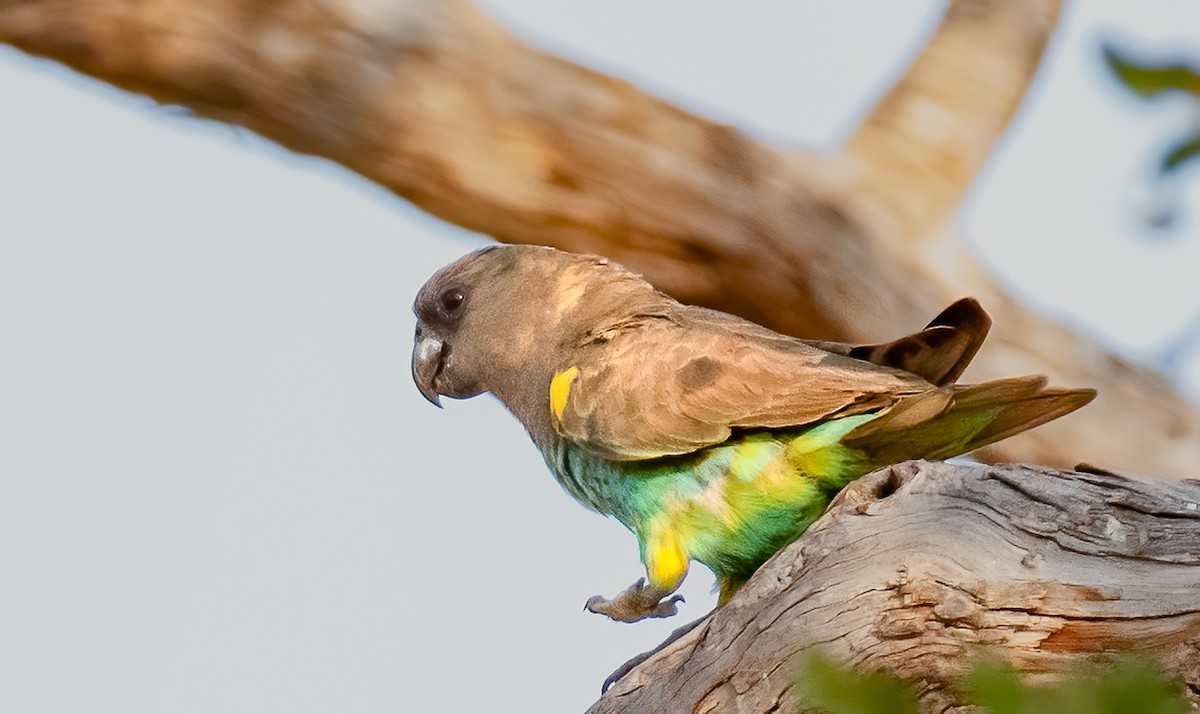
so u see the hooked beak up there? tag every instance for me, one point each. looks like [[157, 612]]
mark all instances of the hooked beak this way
[[427, 364]]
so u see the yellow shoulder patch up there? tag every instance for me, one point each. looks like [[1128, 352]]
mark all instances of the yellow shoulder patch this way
[[560, 391]]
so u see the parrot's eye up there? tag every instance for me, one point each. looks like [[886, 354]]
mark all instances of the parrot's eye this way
[[451, 300]]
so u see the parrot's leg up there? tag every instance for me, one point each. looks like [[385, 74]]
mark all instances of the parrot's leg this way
[[635, 661], [636, 602], [666, 567]]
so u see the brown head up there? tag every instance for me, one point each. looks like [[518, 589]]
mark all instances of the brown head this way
[[498, 320]]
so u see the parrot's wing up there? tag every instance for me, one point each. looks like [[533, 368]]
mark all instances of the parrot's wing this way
[[660, 385], [939, 353]]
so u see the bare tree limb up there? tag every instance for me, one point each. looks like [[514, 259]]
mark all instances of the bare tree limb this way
[[917, 567], [434, 100], [925, 141]]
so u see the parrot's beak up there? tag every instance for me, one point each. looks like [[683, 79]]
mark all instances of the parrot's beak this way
[[427, 365]]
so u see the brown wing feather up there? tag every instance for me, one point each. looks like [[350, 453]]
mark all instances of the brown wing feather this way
[[939, 353], [683, 381]]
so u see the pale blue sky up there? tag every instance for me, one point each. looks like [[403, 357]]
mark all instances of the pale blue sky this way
[[219, 491]]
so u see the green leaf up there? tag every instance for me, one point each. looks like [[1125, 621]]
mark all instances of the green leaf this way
[[1134, 684], [1149, 79], [1122, 685], [843, 690], [996, 687], [1184, 150]]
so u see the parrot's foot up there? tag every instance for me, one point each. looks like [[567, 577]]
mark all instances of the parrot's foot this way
[[635, 661], [636, 602]]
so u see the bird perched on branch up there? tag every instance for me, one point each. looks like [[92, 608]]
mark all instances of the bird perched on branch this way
[[712, 438]]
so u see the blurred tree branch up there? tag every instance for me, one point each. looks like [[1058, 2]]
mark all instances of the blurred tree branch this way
[[434, 100]]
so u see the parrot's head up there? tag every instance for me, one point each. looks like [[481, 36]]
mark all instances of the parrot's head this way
[[493, 320]]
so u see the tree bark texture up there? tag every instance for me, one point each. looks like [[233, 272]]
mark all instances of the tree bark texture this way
[[434, 100], [918, 567]]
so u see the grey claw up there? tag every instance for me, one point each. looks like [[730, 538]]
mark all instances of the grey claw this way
[[667, 608]]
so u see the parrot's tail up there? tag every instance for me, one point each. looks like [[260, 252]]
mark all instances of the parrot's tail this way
[[947, 422]]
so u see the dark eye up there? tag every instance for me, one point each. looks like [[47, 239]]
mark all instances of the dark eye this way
[[451, 300]]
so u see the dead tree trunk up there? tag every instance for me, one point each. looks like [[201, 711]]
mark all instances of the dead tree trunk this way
[[434, 100], [919, 565]]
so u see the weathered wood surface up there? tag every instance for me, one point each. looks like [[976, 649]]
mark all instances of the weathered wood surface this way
[[434, 100], [917, 567]]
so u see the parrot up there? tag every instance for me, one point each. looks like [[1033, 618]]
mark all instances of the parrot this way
[[713, 439]]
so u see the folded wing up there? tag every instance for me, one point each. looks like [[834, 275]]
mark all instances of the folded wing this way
[[670, 384]]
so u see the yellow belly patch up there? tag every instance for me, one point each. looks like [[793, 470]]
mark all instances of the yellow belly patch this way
[[560, 391]]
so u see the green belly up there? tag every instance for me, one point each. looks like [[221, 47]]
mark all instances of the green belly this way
[[732, 506]]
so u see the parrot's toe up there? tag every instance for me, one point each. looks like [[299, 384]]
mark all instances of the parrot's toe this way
[[637, 602], [666, 608]]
